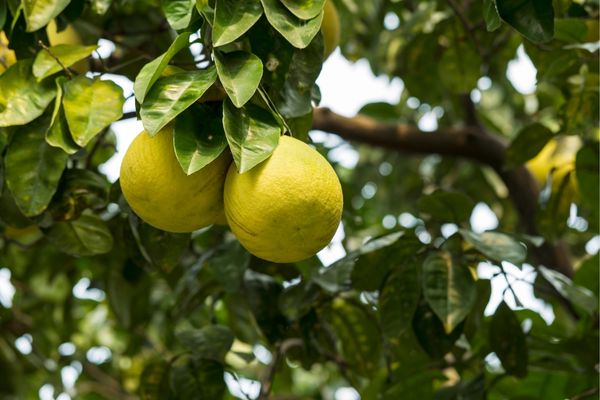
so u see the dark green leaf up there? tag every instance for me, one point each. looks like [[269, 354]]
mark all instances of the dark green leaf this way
[[449, 289], [497, 246], [297, 300], [163, 249], [198, 137], [33, 168], [460, 68], [86, 236], [507, 340], [79, 189], [588, 274], [447, 206], [233, 19], [298, 32], [198, 380], [240, 73], [48, 61], [211, 342], [304, 9], [399, 298], [578, 295], [172, 95], [38, 13], [490, 15], [91, 105], [178, 12], [22, 97], [154, 69], [252, 134], [154, 382], [533, 19], [587, 165], [527, 144], [229, 264]]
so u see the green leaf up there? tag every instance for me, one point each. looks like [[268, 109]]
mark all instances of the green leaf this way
[[91, 105], [178, 12], [212, 342], [298, 32], [588, 274], [172, 95], [228, 265], [154, 69], [46, 63], [527, 144], [240, 73], [252, 134], [100, 7], [162, 249], [449, 289], [587, 165], [507, 340], [533, 19], [460, 68], [570, 30], [399, 298], [198, 380], [33, 168], [86, 236], [497, 246], [304, 9], [38, 13], [447, 206], [490, 15], [578, 295], [154, 382], [198, 137], [79, 190], [3, 13], [22, 97], [233, 18], [58, 134]]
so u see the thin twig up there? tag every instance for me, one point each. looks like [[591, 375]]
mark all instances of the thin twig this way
[[587, 394], [267, 382], [69, 73]]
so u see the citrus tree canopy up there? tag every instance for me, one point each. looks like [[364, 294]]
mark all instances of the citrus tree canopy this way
[[465, 261]]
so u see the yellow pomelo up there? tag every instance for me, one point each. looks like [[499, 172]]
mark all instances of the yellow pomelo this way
[[288, 207], [67, 36], [7, 56], [558, 158], [160, 193], [330, 28]]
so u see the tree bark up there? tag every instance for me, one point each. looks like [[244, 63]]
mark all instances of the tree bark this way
[[469, 142]]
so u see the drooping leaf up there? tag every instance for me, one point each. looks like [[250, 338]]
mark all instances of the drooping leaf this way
[[507, 340], [58, 134], [578, 295], [79, 190], [229, 264], [497, 246], [22, 98], [533, 19], [33, 168], [233, 19], [490, 15], [154, 69], [198, 380], [447, 206], [91, 105], [38, 13], [304, 9], [178, 12], [86, 236], [398, 299], [252, 134], [47, 60], [172, 95], [211, 342], [240, 73], [198, 137], [298, 32], [528, 142], [449, 288]]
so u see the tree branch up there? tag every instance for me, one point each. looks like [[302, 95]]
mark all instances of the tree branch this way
[[469, 142]]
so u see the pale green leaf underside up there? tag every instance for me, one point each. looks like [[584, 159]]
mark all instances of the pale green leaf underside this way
[[296, 31], [38, 13], [46, 63]]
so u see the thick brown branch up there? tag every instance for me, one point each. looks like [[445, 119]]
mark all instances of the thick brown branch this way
[[472, 143]]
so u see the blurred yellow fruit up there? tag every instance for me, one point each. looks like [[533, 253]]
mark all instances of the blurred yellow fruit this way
[[556, 158], [330, 28], [160, 193], [67, 36], [7, 56], [288, 207]]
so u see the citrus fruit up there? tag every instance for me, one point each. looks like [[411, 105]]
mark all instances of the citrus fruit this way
[[67, 36], [286, 208], [557, 154], [330, 28], [160, 193]]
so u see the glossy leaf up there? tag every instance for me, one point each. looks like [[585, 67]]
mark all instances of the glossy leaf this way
[[38, 13], [47, 60], [58, 134], [449, 289], [527, 144], [228, 265], [252, 134], [490, 15], [91, 105], [211, 342], [578, 295], [86, 236], [22, 98], [507, 340], [304, 9], [172, 95], [233, 19], [178, 12], [497, 246], [198, 137], [240, 74], [399, 298], [150, 73], [447, 206], [298, 32], [33, 168], [533, 19]]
